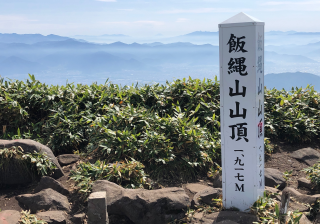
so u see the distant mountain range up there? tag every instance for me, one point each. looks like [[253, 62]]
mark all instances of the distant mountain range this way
[[271, 56], [29, 38], [55, 56], [113, 60], [197, 37], [288, 80]]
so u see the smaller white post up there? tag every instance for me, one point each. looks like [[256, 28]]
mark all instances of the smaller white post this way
[[97, 208]]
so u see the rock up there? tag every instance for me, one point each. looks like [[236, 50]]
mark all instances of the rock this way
[[301, 198], [307, 155], [304, 183], [195, 187], [97, 208], [274, 177], [207, 195], [273, 190], [48, 182], [217, 181], [317, 221], [114, 193], [227, 222], [234, 216], [53, 217], [46, 199], [9, 217], [28, 146], [201, 218], [198, 218], [67, 159], [78, 218], [144, 206], [119, 219], [304, 220], [293, 206]]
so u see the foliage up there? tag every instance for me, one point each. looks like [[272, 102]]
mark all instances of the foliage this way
[[175, 143], [313, 173], [27, 218], [128, 174], [292, 116], [214, 170], [172, 129], [268, 211], [314, 210], [267, 146], [287, 175], [37, 163]]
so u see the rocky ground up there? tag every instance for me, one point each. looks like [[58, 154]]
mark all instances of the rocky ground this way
[[56, 201]]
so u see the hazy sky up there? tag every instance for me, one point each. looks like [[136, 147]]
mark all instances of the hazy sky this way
[[149, 18]]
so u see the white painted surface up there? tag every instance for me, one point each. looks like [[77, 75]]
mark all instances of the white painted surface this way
[[242, 181]]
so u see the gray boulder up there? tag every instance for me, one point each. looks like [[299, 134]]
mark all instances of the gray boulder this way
[[274, 191], [304, 220], [195, 187], [207, 195], [78, 218], [226, 217], [144, 206], [227, 222], [301, 198], [67, 159], [53, 217], [28, 146], [293, 206], [274, 177], [305, 183], [307, 155], [48, 182], [46, 199]]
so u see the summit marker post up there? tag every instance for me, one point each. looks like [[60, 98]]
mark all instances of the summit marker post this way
[[241, 48]]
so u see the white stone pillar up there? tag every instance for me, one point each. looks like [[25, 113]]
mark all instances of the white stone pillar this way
[[241, 46]]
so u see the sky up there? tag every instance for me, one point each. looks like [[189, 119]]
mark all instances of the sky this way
[[143, 18]]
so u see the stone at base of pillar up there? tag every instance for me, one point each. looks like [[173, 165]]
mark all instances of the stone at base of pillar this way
[[97, 208]]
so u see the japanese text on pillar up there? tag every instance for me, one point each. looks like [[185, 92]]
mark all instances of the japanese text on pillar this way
[[239, 130]]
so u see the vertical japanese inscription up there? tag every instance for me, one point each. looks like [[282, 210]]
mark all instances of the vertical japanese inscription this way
[[237, 66], [260, 106]]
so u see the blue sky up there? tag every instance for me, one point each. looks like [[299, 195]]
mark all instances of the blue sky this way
[[143, 18]]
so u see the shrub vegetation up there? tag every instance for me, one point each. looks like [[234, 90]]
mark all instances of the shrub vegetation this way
[[37, 164], [171, 129]]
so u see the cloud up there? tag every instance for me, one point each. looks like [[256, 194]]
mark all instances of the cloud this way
[[127, 10], [181, 20], [202, 10], [106, 0], [149, 22], [300, 6], [291, 3], [15, 18], [142, 22]]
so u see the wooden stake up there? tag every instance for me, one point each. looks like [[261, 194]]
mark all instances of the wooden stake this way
[[285, 198]]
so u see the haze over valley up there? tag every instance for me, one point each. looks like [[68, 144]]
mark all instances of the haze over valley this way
[[125, 60]]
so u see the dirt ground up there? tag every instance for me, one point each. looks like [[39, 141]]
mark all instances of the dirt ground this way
[[279, 159]]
